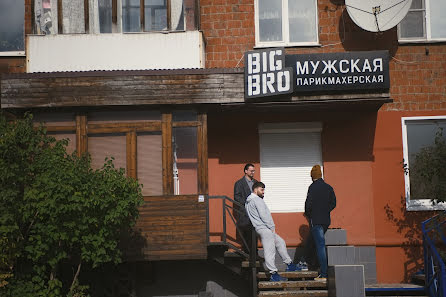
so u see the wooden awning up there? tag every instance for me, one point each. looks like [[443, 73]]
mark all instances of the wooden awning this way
[[223, 87]]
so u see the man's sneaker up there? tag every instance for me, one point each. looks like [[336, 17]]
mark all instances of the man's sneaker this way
[[292, 267], [275, 277], [302, 266], [320, 278]]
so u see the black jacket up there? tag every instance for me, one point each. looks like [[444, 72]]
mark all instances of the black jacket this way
[[241, 192], [321, 200]]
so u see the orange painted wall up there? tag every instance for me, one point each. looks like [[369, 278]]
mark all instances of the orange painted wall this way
[[347, 152], [362, 153], [398, 236]]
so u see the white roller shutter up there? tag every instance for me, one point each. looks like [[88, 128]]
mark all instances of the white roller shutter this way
[[288, 151]]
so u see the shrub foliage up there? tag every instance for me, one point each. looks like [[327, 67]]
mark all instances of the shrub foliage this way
[[58, 216]]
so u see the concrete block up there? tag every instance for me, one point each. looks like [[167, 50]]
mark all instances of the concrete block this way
[[341, 255], [346, 281], [370, 273], [365, 254], [336, 237]]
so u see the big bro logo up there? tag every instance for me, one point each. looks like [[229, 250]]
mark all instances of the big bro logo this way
[[266, 74]]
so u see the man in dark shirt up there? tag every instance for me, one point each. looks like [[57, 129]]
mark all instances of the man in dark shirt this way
[[321, 200], [242, 189]]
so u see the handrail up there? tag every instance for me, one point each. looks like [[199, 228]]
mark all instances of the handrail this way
[[252, 256], [434, 267]]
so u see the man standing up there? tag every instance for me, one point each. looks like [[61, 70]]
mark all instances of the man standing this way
[[262, 221], [242, 189], [321, 200]]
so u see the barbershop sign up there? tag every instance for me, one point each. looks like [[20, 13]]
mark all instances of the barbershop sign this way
[[270, 72]]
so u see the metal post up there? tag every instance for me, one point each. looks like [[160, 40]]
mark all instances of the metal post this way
[[252, 263], [224, 220]]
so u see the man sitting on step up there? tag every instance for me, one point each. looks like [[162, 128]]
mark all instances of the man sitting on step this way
[[262, 221]]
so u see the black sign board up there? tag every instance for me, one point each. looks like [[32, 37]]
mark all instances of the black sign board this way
[[266, 74], [315, 72]]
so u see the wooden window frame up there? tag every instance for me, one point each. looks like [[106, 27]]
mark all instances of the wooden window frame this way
[[82, 129]]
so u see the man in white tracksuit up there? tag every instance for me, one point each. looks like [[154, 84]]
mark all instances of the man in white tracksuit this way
[[262, 221]]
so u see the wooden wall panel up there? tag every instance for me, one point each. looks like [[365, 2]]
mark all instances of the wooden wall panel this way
[[170, 228], [32, 90]]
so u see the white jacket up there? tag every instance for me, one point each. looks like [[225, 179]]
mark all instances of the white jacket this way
[[259, 213]]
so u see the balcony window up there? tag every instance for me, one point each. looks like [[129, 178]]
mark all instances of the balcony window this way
[[109, 16], [12, 16]]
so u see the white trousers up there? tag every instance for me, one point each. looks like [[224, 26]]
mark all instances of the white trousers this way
[[271, 241]]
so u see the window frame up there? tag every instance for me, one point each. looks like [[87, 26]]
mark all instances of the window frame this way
[[17, 53], [82, 128], [426, 28], [285, 28], [416, 205]]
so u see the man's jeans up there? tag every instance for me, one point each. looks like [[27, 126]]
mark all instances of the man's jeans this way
[[318, 232]]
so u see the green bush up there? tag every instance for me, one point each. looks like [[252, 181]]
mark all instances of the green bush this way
[[57, 214], [428, 171]]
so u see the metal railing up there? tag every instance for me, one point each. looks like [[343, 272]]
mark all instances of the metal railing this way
[[434, 267], [229, 205]]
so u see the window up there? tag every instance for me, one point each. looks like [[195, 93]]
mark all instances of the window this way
[[424, 21], [286, 22], [424, 142], [12, 17], [154, 16], [107, 16], [165, 152], [288, 151]]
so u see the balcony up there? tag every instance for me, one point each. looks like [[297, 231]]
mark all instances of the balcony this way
[[114, 51], [92, 35]]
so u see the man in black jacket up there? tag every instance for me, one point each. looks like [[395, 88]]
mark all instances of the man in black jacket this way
[[321, 200], [242, 189]]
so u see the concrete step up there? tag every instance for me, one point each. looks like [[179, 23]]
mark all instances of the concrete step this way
[[292, 284], [290, 274], [245, 264], [301, 293]]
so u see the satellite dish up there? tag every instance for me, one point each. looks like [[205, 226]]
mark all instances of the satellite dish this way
[[377, 15]]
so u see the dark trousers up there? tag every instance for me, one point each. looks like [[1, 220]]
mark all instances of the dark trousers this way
[[245, 231], [318, 232]]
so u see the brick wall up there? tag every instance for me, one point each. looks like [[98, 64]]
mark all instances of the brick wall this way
[[417, 71]]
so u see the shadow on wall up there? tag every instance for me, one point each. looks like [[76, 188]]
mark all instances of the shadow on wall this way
[[355, 38], [409, 225], [346, 136]]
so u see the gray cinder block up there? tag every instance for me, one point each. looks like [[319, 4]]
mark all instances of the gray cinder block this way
[[365, 254], [336, 237], [341, 255], [346, 281]]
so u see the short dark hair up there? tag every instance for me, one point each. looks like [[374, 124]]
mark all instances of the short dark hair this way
[[247, 166], [258, 185]]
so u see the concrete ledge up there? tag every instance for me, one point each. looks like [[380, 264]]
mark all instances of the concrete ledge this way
[[335, 237]]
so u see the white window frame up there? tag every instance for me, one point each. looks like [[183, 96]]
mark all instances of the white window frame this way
[[285, 28], [416, 205], [13, 54], [427, 29]]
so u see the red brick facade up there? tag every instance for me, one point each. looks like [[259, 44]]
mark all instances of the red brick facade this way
[[417, 71]]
